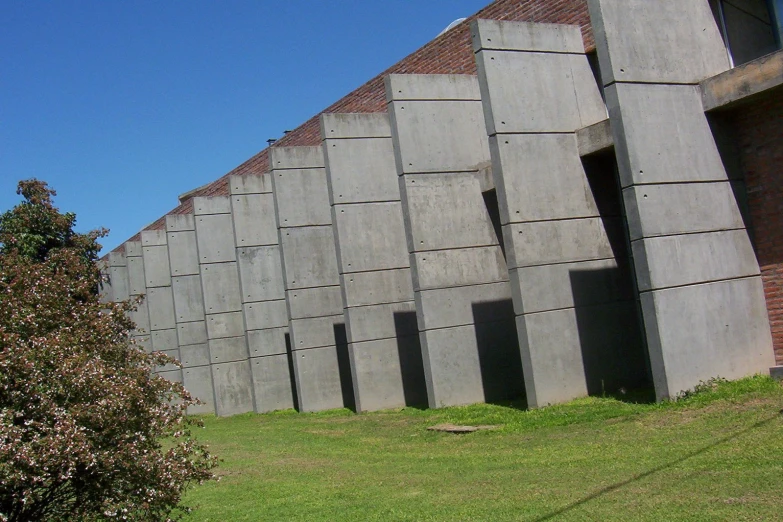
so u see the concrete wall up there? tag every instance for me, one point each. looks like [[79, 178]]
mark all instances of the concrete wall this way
[[137, 287], [372, 259], [460, 280], [701, 294], [225, 324], [262, 290], [312, 282], [189, 312], [564, 236]]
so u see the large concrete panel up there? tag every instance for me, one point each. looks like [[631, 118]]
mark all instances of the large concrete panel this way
[[459, 267], [119, 282], [371, 236], [141, 318], [383, 286], [444, 87], [188, 300], [309, 256], [315, 302], [192, 333], [260, 273], [381, 321], [198, 381], [137, 284], [456, 306], [525, 36], [437, 221], [724, 326], [318, 383], [180, 223], [233, 388], [302, 197], [353, 162], [183, 253], [694, 258], [211, 205], [133, 248], [659, 210], [668, 41], [662, 114], [254, 219], [164, 341], [267, 342], [221, 288], [228, 349], [314, 332], [266, 314], [272, 383], [160, 302], [153, 238], [250, 184], [215, 234], [156, 266], [296, 158], [540, 178], [378, 374], [225, 325], [452, 366], [194, 355]]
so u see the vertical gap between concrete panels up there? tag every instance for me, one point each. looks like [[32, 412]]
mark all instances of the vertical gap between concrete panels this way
[[631, 366], [291, 375]]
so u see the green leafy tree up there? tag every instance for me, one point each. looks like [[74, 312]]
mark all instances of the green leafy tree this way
[[87, 431]]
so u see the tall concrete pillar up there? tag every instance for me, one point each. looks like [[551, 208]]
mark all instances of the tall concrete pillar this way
[[701, 294], [228, 353], [566, 251], [262, 290], [312, 282], [137, 287], [372, 258], [160, 299], [460, 279], [189, 310]]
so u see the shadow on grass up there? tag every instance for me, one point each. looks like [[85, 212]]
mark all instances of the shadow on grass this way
[[640, 476]]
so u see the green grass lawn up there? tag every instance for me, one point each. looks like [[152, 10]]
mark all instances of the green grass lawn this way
[[716, 455]]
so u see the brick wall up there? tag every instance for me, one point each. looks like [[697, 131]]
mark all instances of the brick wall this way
[[450, 53], [759, 134]]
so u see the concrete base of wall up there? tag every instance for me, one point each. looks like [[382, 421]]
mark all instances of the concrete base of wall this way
[[776, 372]]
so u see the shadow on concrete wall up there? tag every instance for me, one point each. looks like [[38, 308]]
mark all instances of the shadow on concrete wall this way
[[608, 313], [414, 386], [498, 350], [291, 375], [344, 366]]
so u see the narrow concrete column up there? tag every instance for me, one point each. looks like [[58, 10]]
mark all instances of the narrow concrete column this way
[[118, 276], [160, 301], [189, 310], [701, 294], [465, 315], [137, 287], [372, 258], [228, 354], [262, 289], [566, 251], [311, 278]]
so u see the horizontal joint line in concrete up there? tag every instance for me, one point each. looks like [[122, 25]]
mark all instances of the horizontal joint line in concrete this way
[[389, 337], [649, 83], [313, 348], [311, 167], [578, 307], [354, 203], [305, 288], [191, 322], [281, 300], [209, 264], [699, 283], [379, 137], [462, 324], [268, 355], [572, 262], [455, 248], [570, 218], [376, 270], [699, 232], [259, 245], [694, 182], [534, 133], [161, 286], [537, 51], [381, 303], [434, 99], [284, 227], [460, 286], [460, 171]]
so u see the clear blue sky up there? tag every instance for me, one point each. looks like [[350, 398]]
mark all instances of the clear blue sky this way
[[123, 105]]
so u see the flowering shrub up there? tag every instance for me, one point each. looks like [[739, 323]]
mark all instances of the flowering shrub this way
[[87, 432]]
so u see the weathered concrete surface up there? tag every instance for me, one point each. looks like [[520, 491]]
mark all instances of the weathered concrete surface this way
[[441, 152], [190, 316], [309, 264], [701, 320], [262, 291], [137, 288], [570, 284], [738, 85], [595, 138], [225, 329], [370, 239]]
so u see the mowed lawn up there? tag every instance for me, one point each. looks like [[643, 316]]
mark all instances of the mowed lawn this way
[[716, 455]]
